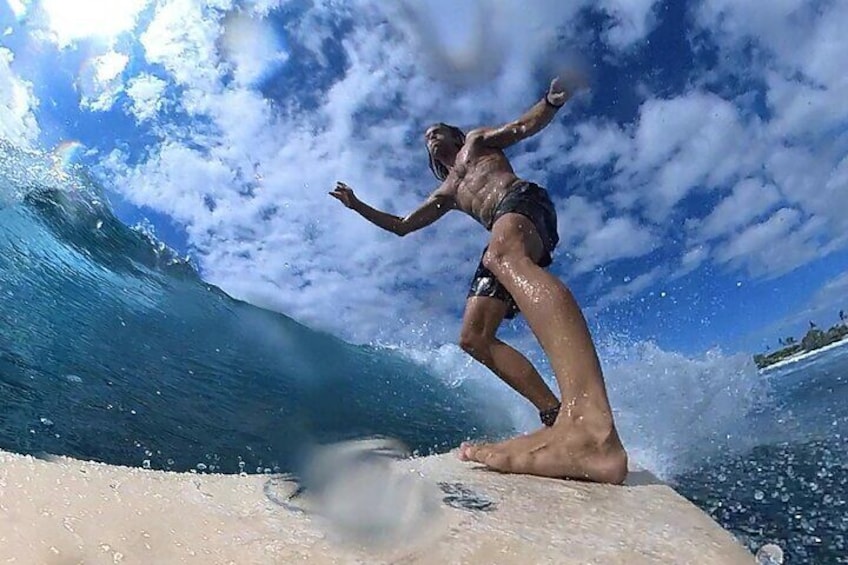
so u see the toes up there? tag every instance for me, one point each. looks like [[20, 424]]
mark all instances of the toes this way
[[499, 461], [480, 453], [502, 460], [467, 451], [464, 449]]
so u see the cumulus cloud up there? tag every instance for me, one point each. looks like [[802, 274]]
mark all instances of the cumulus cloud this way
[[100, 80], [66, 23], [17, 104], [595, 240], [774, 246], [749, 199], [632, 20], [145, 92]]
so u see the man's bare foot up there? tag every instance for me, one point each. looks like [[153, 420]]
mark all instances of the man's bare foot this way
[[522, 442], [561, 452]]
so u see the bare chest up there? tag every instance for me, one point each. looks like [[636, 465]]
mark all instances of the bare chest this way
[[476, 185]]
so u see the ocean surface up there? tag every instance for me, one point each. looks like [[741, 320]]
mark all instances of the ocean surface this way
[[112, 348]]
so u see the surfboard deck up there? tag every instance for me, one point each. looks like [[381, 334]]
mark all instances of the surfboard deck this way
[[62, 511]]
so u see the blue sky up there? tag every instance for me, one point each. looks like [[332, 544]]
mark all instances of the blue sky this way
[[700, 183]]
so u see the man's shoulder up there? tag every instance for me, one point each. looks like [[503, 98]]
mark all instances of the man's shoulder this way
[[476, 135]]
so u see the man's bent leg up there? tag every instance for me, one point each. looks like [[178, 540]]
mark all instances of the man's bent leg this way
[[483, 316], [583, 442]]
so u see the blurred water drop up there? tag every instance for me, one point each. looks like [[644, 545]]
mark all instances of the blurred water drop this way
[[364, 499], [770, 554]]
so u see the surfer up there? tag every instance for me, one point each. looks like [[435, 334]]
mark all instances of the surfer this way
[[579, 439]]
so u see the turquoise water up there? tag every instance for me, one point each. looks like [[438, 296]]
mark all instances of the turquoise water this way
[[113, 349]]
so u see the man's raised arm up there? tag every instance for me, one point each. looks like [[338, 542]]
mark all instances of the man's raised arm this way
[[532, 122], [433, 208]]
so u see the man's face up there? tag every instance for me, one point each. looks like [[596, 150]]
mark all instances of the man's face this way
[[437, 137]]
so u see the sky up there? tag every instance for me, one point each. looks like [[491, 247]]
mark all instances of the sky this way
[[700, 182]]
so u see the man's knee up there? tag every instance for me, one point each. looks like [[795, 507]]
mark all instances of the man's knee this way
[[495, 257], [474, 342]]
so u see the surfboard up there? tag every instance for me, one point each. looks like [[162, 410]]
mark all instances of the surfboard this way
[[355, 503]]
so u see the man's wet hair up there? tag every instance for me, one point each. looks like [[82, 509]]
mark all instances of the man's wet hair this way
[[439, 170]]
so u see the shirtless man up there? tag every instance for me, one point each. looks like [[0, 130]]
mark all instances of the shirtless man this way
[[579, 439]]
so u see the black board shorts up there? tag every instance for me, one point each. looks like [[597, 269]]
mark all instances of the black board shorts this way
[[532, 201]]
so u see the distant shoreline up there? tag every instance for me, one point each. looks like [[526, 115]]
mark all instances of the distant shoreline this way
[[804, 355]]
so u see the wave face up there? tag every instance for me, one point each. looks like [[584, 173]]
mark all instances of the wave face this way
[[113, 349]]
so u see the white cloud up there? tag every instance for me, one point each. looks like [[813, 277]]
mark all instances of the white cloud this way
[[618, 238], [749, 199], [18, 7], [691, 260], [182, 39], [632, 21], [145, 92], [18, 123], [253, 47], [681, 144], [803, 145], [73, 20], [773, 247], [598, 143], [100, 80]]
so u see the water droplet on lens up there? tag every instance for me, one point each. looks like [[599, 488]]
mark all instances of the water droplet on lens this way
[[770, 554]]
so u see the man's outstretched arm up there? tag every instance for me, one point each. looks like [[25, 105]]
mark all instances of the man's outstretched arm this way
[[532, 122], [433, 208]]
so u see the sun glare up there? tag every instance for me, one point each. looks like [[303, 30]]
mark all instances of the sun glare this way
[[78, 19]]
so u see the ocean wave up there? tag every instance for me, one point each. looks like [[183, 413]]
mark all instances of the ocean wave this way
[[114, 349]]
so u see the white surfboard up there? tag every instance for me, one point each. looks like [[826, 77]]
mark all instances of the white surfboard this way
[[350, 506]]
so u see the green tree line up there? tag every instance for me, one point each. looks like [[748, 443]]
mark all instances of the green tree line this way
[[815, 338]]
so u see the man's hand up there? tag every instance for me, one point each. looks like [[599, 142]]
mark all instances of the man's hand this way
[[562, 88], [344, 194]]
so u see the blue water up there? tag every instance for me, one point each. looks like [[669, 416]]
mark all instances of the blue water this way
[[112, 348], [792, 487]]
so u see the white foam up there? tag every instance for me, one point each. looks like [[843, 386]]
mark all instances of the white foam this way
[[672, 411]]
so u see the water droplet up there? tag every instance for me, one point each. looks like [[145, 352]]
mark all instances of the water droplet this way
[[770, 554]]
